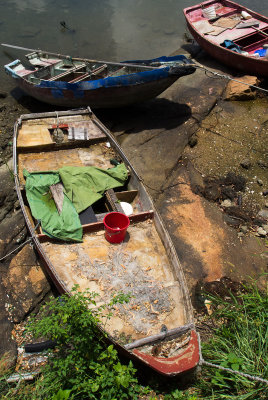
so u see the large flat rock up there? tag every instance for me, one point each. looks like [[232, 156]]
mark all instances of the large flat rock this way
[[154, 135]]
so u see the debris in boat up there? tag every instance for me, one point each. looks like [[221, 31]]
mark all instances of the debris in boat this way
[[58, 135], [168, 348], [58, 195], [146, 300]]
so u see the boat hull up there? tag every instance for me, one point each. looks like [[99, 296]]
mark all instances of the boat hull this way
[[102, 97]]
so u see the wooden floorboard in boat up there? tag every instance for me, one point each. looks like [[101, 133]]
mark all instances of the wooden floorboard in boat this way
[[97, 155], [139, 266]]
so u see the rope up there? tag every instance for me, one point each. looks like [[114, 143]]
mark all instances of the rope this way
[[254, 378], [229, 78], [57, 116], [17, 248], [232, 371], [21, 245]]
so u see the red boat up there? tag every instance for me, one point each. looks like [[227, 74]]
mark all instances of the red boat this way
[[231, 33]]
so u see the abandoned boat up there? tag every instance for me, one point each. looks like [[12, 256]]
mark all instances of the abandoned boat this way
[[231, 33], [75, 82], [72, 150]]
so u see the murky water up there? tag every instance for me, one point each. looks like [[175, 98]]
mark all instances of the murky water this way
[[103, 29]]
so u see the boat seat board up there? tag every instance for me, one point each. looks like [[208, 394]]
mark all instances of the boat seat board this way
[[33, 135], [36, 134], [68, 72], [138, 267], [235, 33], [80, 78]]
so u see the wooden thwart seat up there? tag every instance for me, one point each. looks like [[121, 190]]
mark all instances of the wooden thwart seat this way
[[35, 135], [68, 72], [80, 78]]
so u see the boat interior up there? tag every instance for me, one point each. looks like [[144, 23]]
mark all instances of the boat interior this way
[[143, 266], [44, 67], [224, 25]]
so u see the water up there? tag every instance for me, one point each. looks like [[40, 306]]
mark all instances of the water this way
[[102, 29]]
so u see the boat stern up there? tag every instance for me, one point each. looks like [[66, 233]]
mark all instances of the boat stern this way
[[16, 70]]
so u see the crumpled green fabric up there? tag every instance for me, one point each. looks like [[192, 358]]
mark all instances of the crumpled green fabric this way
[[64, 226], [83, 186]]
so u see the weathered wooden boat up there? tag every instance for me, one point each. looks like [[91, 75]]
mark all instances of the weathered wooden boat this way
[[75, 82], [231, 33], [156, 327]]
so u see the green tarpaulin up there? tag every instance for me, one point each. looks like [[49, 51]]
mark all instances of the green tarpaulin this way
[[83, 186]]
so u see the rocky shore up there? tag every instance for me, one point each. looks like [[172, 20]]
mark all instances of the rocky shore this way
[[201, 149]]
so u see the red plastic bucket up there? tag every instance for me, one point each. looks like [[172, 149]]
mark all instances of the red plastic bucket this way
[[116, 225]]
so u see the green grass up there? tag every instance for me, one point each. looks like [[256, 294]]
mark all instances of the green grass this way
[[241, 343]]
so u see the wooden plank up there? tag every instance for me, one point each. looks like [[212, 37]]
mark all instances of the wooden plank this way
[[33, 136], [56, 114], [99, 225], [66, 73], [80, 78], [113, 201], [58, 195], [128, 195]]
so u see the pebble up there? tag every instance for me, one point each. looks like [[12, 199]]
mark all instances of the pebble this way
[[262, 164], [192, 141], [263, 213], [259, 182], [245, 163], [244, 229], [3, 95], [240, 234], [226, 203], [266, 205], [265, 227], [265, 192], [261, 232]]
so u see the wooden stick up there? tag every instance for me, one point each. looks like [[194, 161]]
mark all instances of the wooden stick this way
[[58, 196], [259, 30], [160, 336], [80, 59]]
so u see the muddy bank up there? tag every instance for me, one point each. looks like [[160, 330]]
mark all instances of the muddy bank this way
[[183, 144]]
